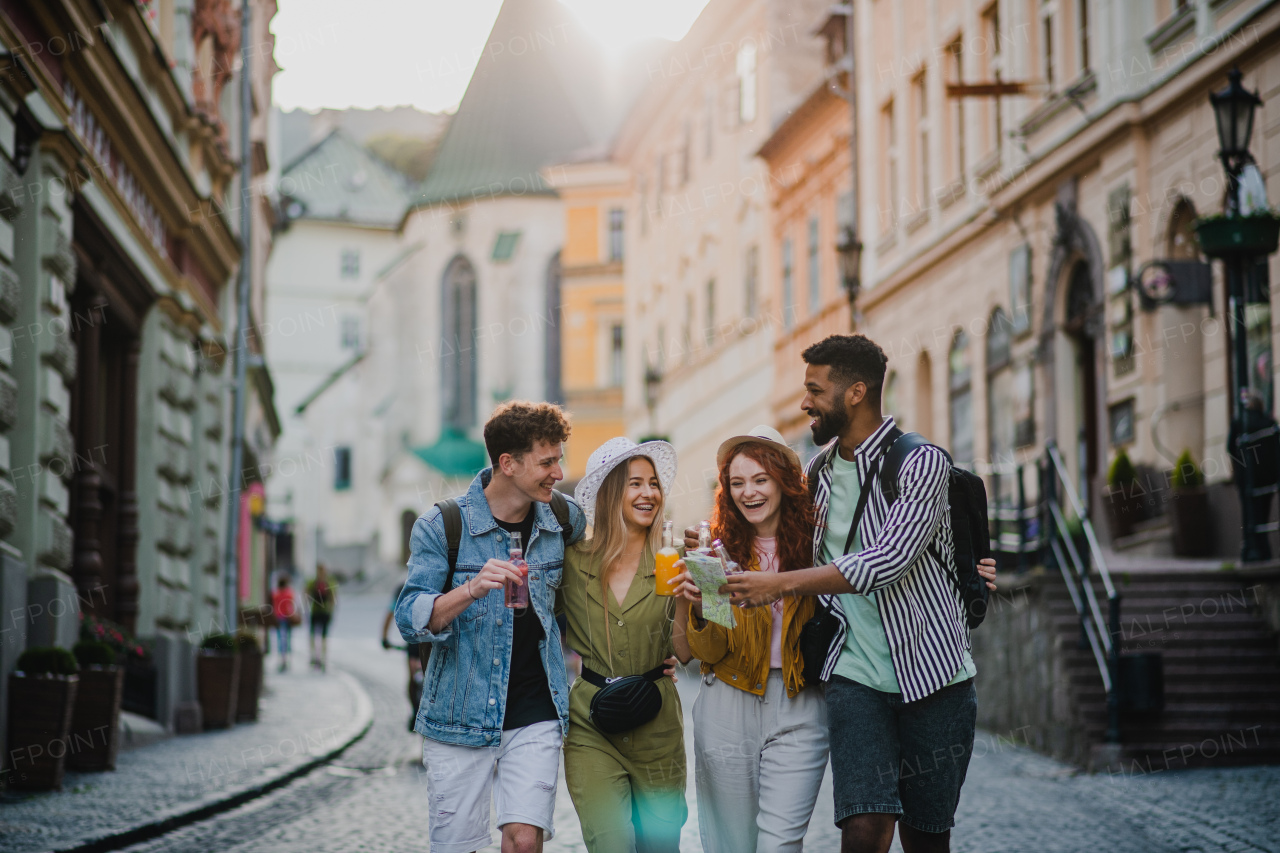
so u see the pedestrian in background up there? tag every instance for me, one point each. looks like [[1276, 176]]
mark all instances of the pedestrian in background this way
[[760, 731], [625, 771], [322, 597], [284, 606]]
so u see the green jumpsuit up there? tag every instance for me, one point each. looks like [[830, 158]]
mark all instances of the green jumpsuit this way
[[628, 788]]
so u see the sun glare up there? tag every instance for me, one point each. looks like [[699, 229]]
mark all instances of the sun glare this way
[[619, 24]]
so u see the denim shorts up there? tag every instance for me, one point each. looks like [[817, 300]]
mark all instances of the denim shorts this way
[[907, 759]]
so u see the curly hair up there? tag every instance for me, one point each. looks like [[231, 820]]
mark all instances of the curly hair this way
[[515, 426], [852, 358], [795, 526]]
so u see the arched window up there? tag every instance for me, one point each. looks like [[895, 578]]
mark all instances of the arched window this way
[[458, 345], [1180, 241], [889, 397], [924, 394], [1001, 420], [960, 389]]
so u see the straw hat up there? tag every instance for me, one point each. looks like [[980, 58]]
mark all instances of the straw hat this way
[[762, 434], [607, 456]]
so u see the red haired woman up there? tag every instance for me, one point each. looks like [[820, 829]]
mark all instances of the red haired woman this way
[[760, 733]]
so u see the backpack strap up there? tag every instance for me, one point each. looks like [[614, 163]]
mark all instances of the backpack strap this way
[[451, 515], [816, 464], [897, 453], [560, 509]]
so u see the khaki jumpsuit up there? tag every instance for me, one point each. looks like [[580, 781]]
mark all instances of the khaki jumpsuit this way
[[628, 788]]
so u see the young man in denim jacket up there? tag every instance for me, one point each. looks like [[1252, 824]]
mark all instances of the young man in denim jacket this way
[[494, 707]]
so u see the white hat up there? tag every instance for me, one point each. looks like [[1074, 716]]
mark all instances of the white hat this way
[[606, 457], [762, 434]]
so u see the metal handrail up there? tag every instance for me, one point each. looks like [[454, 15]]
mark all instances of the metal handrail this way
[[1101, 635]]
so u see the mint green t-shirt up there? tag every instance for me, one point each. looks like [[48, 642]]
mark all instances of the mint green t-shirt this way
[[865, 657]]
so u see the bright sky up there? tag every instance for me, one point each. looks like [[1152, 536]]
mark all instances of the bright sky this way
[[339, 54]]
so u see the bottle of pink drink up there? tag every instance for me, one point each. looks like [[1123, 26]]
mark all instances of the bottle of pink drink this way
[[517, 595]]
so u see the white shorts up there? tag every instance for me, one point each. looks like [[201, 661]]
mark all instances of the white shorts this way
[[521, 773]]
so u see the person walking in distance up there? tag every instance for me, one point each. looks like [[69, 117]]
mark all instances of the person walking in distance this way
[[495, 704], [322, 596], [284, 606], [898, 668]]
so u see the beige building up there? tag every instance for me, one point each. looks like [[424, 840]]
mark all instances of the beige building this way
[[1003, 234], [699, 337]]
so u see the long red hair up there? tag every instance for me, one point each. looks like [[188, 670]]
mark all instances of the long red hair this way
[[795, 525]]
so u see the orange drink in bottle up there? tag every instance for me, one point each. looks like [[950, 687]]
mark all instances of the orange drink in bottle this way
[[664, 570]]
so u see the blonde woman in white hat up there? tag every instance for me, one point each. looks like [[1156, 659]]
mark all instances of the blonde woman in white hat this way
[[624, 756], [760, 731]]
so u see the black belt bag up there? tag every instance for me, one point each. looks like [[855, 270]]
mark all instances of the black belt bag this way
[[625, 702]]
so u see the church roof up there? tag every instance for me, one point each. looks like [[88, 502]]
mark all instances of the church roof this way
[[540, 92], [338, 179]]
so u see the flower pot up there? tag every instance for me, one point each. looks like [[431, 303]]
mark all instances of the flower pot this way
[[1124, 509], [95, 722], [250, 685], [1192, 531], [140, 688], [218, 683], [39, 719], [1238, 235]]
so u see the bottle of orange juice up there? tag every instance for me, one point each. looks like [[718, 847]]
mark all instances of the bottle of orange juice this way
[[665, 563]]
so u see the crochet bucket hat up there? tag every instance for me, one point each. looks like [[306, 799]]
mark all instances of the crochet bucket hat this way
[[607, 456]]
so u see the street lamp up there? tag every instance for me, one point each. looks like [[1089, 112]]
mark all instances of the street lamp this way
[[1233, 110], [849, 249]]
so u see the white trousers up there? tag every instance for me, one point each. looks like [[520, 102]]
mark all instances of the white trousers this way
[[759, 762]]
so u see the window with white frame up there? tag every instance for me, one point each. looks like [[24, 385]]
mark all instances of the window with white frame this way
[[615, 234], [615, 355], [788, 284], [351, 332], [747, 83], [350, 263], [815, 267]]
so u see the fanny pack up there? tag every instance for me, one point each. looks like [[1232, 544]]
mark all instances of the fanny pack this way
[[624, 702]]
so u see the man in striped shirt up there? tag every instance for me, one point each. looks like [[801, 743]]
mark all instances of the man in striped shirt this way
[[900, 696]]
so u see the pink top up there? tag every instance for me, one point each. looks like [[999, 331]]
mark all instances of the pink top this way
[[767, 554]]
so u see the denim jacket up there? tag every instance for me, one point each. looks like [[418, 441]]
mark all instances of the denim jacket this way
[[465, 693]]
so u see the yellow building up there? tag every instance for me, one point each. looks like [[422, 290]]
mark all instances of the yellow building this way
[[591, 304]]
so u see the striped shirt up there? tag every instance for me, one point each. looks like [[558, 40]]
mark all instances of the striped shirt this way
[[919, 605]]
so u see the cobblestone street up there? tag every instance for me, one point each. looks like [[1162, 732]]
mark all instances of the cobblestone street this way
[[371, 798]]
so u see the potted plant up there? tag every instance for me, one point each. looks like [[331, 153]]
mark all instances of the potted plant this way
[[250, 677], [132, 656], [1124, 504], [1255, 234], [218, 680], [95, 721], [42, 694], [1192, 533]]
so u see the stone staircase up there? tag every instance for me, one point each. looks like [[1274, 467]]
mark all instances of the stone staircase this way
[[1221, 670]]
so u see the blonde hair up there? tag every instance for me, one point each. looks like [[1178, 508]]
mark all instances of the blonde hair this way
[[608, 542]]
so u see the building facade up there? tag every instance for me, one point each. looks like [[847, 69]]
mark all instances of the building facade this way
[[117, 250], [1004, 235], [592, 358], [699, 340]]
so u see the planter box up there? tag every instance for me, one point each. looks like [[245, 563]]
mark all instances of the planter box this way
[[250, 686], [1243, 235], [1124, 509], [140, 680], [218, 683], [95, 722], [39, 719], [1192, 523]]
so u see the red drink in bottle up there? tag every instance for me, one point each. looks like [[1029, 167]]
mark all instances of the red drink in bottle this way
[[517, 595]]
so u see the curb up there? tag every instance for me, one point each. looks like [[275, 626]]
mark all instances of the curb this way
[[125, 838]]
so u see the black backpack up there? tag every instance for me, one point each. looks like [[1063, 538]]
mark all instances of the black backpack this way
[[451, 515], [967, 497]]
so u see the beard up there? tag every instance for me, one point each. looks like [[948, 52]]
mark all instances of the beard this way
[[828, 425]]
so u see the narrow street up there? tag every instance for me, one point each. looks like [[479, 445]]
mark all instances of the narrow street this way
[[372, 797]]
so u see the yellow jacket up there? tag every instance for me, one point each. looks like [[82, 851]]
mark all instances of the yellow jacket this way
[[740, 656]]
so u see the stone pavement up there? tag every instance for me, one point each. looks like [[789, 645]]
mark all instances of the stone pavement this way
[[304, 718], [372, 797]]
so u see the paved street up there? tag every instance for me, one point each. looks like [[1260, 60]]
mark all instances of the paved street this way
[[371, 798]]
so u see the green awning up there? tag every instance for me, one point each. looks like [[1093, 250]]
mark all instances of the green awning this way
[[454, 455]]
